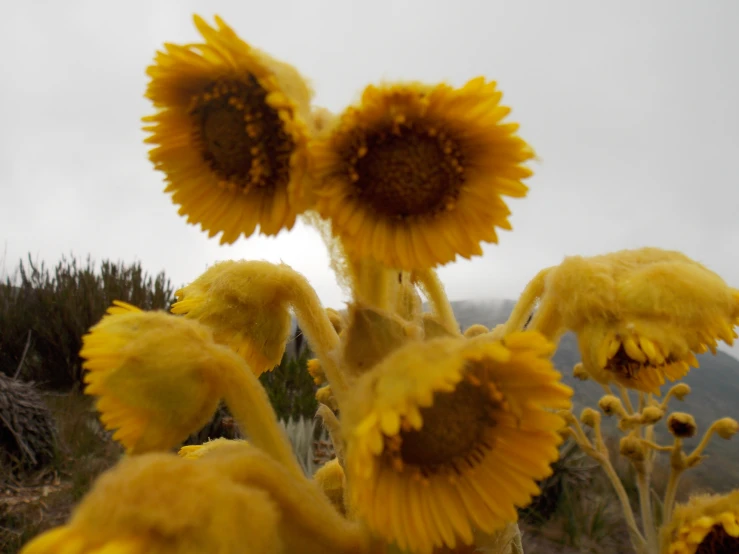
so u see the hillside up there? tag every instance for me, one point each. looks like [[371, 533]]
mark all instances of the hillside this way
[[715, 392]]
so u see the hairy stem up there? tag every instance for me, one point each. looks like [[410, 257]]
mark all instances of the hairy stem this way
[[318, 330], [248, 402], [645, 504], [312, 525], [438, 299]]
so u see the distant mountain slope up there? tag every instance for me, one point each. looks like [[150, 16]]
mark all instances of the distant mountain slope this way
[[715, 392]]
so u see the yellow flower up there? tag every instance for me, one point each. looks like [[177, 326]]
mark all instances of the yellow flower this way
[[706, 524], [156, 376], [197, 451], [414, 175], [331, 480], [639, 315], [160, 503], [230, 133], [244, 304], [316, 371], [450, 435], [160, 377]]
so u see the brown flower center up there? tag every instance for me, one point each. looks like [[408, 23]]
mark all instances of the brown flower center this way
[[241, 137], [454, 435], [718, 541], [407, 170], [682, 429], [628, 367]]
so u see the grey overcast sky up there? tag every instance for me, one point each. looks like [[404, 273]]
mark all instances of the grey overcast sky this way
[[630, 104]]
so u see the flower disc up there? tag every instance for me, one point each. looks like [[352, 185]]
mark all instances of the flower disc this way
[[414, 175], [230, 134], [449, 435]]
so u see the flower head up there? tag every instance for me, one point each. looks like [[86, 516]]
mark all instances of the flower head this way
[[230, 133], [141, 506], [639, 315], [414, 175], [332, 481], [439, 425], [706, 524], [156, 376], [682, 425], [245, 305], [197, 451]]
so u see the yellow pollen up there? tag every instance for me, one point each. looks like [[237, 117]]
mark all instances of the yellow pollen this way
[[240, 136], [406, 170]]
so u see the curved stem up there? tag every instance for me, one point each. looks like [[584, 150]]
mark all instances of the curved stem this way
[[311, 523], [695, 454], [438, 299], [525, 304], [249, 404], [318, 329], [332, 425]]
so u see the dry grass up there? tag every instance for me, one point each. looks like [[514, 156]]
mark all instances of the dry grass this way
[[31, 503]]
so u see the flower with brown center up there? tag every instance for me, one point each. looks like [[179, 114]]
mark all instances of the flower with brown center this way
[[230, 133], [449, 435], [640, 316], [414, 175], [705, 525]]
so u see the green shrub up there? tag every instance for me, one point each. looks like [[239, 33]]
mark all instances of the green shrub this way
[[290, 387], [51, 310]]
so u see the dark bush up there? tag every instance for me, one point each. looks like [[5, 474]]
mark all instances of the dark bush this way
[[51, 310]]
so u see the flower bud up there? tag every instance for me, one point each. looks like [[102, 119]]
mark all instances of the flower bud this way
[[611, 405], [632, 448], [325, 396], [682, 425], [316, 371], [680, 391], [474, 330], [651, 415], [726, 427], [579, 372], [590, 417]]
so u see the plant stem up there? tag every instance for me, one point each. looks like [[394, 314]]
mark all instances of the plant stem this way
[[626, 399], [434, 290], [318, 329], [645, 503], [676, 470], [248, 402], [637, 539]]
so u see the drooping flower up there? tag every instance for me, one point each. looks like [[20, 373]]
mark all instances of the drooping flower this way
[[159, 378], [145, 504], [449, 435], [705, 525], [245, 305], [151, 367], [414, 175], [230, 133], [640, 315]]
